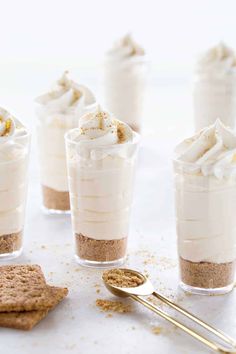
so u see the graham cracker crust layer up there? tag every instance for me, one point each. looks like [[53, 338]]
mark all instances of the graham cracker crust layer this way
[[11, 242], [207, 275], [56, 200], [100, 250]]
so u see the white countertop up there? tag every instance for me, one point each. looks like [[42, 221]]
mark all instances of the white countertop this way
[[77, 326]]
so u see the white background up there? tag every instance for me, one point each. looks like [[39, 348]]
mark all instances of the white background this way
[[40, 39]]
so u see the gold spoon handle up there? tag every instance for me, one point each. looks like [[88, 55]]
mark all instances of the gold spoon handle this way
[[197, 320], [178, 324]]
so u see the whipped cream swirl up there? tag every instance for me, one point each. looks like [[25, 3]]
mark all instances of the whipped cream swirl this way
[[10, 127], [217, 61], [101, 129], [210, 152], [67, 97], [126, 48]]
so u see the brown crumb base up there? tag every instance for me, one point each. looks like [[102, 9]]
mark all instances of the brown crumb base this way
[[100, 250], [56, 200], [11, 242], [207, 275]]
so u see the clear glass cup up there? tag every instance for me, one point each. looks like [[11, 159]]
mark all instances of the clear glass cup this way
[[101, 183], [214, 98], [206, 229], [125, 85], [14, 156], [51, 130]]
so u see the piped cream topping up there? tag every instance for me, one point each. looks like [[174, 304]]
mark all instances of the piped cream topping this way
[[66, 97], [126, 47], [10, 127], [210, 152], [101, 128], [217, 61]]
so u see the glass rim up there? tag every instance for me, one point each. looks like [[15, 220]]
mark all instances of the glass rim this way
[[68, 139]]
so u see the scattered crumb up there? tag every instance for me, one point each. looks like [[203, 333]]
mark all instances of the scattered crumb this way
[[43, 247], [122, 278], [109, 315], [133, 328], [157, 330], [115, 306], [98, 291]]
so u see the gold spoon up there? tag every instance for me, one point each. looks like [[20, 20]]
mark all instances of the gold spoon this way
[[146, 288]]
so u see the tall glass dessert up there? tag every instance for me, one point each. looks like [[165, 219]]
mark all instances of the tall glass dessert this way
[[215, 88], [205, 189], [59, 111], [14, 153], [101, 157], [125, 76]]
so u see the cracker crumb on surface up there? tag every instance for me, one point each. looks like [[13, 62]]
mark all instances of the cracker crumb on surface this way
[[157, 330], [114, 306]]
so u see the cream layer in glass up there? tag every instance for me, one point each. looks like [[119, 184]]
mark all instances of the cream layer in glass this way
[[101, 158], [205, 190], [59, 111], [14, 152], [125, 80], [215, 88]]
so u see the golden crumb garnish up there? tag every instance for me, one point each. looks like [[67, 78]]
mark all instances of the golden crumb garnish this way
[[76, 96], [121, 133], [234, 158], [7, 126], [1, 118], [101, 116]]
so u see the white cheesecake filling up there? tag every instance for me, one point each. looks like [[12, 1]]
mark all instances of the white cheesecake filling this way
[[101, 172], [205, 191], [215, 87], [58, 112], [125, 72], [13, 174]]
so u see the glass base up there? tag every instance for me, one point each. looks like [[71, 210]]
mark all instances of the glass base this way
[[101, 265], [203, 291], [47, 211], [12, 255]]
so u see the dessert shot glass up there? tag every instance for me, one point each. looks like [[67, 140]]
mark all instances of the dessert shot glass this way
[[58, 112], [214, 98], [14, 156], [125, 78], [215, 87], [101, 181], [206, 229]]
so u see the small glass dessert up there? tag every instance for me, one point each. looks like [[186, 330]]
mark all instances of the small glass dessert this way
[[215, 88], [205, 189], [14, 154], [125, 79], [101, 156], [59, 111]]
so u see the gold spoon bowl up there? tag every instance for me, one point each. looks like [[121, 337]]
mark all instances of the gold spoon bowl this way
[[146, 289]]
